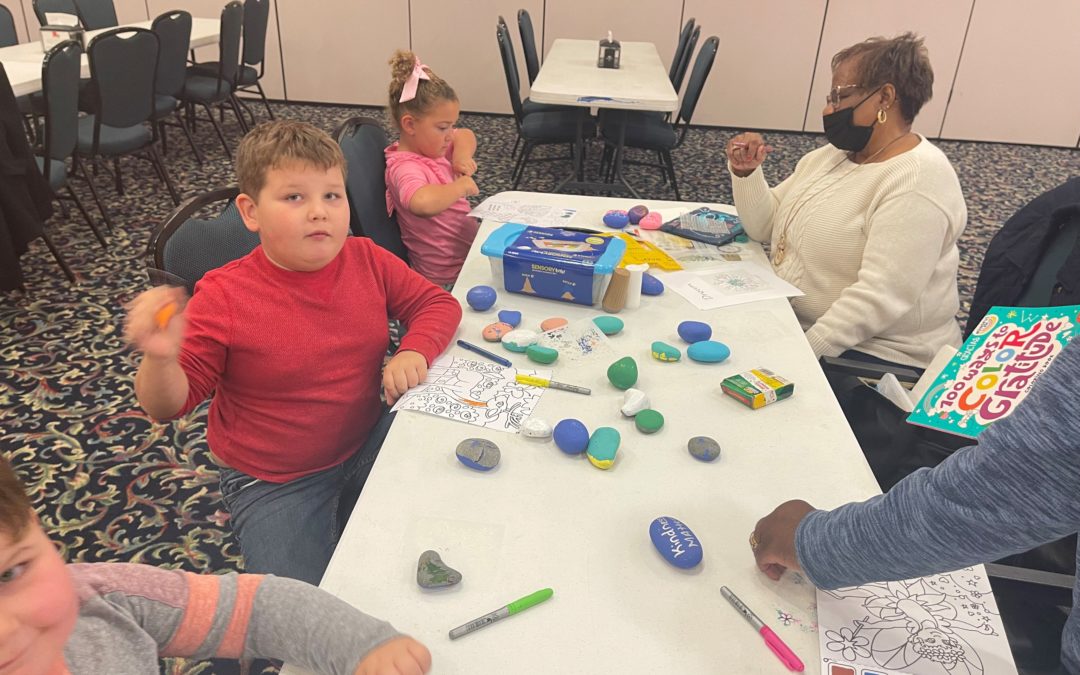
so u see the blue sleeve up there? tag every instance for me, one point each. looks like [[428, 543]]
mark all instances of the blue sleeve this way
[[1018, 488]]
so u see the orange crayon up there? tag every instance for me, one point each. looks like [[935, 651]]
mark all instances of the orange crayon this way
[[162, 316]]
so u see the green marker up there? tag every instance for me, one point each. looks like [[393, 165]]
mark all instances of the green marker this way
[[503, 612]]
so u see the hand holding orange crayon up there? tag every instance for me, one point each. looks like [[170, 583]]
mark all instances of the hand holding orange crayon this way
[[155, 324]]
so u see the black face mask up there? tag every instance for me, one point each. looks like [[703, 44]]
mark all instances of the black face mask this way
[[842, 131]]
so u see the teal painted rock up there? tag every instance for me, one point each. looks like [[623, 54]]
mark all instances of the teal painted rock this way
[[694, 331], [519, 340], [708, 351], [704, 448], [662, 351], [608, 325], [623, 373], [510, 316], [540, 354], [649, 421], [603, 445]]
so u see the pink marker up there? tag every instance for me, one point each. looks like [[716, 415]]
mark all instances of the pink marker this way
[[782, 651]]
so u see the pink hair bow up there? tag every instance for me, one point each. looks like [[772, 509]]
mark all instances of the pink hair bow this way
[[408, 92]]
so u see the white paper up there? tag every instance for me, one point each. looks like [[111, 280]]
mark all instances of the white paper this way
[[728, 284], [61, 19], [480, 393], [577, 341], [688, 250], [890, 387], [937, 364], [504, 210], [945, 624]]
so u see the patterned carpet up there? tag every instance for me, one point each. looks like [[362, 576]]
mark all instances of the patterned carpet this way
[[111, 485]]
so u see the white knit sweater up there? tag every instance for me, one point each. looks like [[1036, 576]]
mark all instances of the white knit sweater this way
[[873, 247]]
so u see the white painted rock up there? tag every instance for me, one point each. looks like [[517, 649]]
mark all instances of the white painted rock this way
[[634, 402], [536, 428]]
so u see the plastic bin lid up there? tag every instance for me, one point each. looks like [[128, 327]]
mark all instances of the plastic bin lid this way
[[504, 235]]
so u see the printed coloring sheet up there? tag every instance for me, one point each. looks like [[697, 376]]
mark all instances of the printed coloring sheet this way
[[732, 283], [945, 624]]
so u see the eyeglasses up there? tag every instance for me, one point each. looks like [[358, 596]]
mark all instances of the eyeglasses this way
[[833, 98]]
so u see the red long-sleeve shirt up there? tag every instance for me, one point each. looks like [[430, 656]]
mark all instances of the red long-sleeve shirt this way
[[294, 358]]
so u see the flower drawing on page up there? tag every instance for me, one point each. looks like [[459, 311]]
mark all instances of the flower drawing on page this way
[[849, 644]]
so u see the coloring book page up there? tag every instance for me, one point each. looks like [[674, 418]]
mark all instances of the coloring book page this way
[[945, 624], [732, 283], [480, 393], [504, 210]]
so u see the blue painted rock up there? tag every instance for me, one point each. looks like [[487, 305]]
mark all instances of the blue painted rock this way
[[694, 331], [636, 213], [571, 436], [704, 448], [603, 446], [519, 340], [510, 316], [478, 453], [481, 298], [662, 351], [616, 219], [676, 542], [494, 332], [608, 325], [540, 354], [623, 373], [651, 221], [432, 572], [650, 285], [634, 402], [708, 351], [649, 421], [535, 427]]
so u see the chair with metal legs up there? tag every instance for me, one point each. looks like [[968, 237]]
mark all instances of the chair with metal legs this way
[[253, 55], [174, 30], [220, 88]]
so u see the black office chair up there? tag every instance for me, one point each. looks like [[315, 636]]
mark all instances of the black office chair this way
[[96, 14], [219, 89], [253, 56], [41, 7], [202, 234], [363, 140], [123, 67], [8, 36], [174, 31], [648, 132], [60, 87]]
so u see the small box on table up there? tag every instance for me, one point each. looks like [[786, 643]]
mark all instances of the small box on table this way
[[757, 388]]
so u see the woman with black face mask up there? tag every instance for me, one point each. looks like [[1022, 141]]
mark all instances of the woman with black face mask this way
[[866, 226]]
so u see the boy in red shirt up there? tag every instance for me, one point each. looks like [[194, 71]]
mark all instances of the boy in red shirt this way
[[290, 339]]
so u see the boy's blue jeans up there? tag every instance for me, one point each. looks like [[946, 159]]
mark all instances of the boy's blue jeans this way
[[291, 529]]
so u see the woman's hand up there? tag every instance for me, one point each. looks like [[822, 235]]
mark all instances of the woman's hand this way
[[773, 539], [746, 152]]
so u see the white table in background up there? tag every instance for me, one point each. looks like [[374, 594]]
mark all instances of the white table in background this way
[[23, 61], [543, 518], [570, 76]]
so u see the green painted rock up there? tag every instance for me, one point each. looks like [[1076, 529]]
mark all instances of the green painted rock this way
[[608, 325], [662, 351], [519, 340], [603, 444], [649, 421], [623, 373], [541, 354]]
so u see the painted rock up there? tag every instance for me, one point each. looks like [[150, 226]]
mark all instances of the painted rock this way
[[493, 332], [649, 421], [603, 445], [651, 221], [650, 285], [540, 354], [478, 453], [519, 340], [571, 436], [703, 448], [636, 213], [634, 402], [510, 316], [623, 373], [662, 351], [708, 351], [535, 428], [432, 572], [481, 298], [616, 219], [694, 331], [742, 238], [608, 325], [676, 542], [553, 323]]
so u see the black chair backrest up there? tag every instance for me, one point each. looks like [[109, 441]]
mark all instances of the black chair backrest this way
[[513, 82], [256, 16], [702, 65], [528, 44], [232, 26], [189, 247], [363, 140], [688, 38], [60, 87], [96, 14], [123, 65], [8, 36], [174, 31], [53, 6]]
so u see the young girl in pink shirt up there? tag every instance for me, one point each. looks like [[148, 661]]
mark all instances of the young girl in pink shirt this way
[[429, 170]]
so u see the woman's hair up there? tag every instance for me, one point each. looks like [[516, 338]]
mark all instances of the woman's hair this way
[[429, 93], [14, 504], [901, 61]]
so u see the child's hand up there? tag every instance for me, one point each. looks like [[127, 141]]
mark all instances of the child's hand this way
[[406, 370], [400, 656], [468, 186], [464, 166], [773, 539], [155, 322]]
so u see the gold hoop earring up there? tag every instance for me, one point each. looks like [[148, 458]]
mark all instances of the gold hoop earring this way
[[881, 116]]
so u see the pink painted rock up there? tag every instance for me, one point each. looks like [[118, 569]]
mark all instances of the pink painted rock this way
[[651, 221], [495, 331], [553, 323]]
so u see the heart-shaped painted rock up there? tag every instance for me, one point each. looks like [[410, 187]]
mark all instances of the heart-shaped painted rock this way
[[708, 351], [535, 428], [650, 285], [676, 542], [694, 331], [519, 340], [623, 373], [540, 354], [634, 402], [432, 572], [662, 351], [510, 316], [493, 332], [704, 448], [571, 436], [608, 325], [481, 298], [478, 453], [603, 446], [651, 221]]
